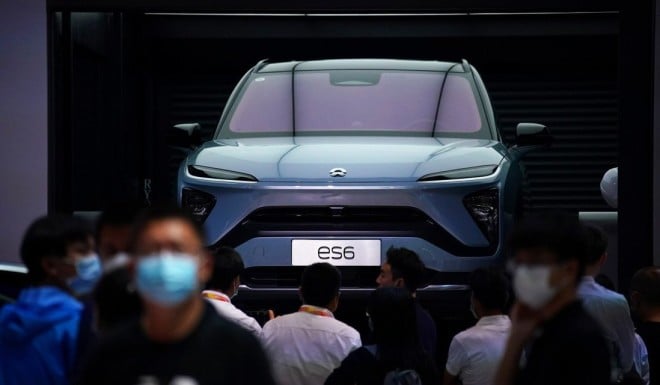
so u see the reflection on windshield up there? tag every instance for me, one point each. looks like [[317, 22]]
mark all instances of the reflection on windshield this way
[[353, 102]]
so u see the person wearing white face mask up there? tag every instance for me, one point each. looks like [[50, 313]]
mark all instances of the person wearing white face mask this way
[[223, 287], [179, 337], [115, 298], [564, 343]]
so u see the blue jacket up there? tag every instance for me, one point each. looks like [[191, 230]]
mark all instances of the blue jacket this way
[[39, 337]]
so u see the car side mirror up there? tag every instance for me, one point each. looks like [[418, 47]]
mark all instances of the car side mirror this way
[[188, 134], [531, 136]]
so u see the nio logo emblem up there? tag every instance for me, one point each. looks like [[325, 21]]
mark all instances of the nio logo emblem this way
[[337, 172]]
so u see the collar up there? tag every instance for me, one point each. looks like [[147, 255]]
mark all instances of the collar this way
[[216, 295], [320, 311], [493, 320], [588, 279]]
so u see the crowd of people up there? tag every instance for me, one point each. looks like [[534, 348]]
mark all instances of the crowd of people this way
[[140, 300]]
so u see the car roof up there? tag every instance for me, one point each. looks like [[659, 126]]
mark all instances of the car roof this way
[[360, 64]]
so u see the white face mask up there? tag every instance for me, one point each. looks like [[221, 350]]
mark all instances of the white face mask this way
[[115, 262], [532, 285]]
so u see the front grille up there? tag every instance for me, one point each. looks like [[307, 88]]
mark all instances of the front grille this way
[[339, 215], [352, 276], [350, 221]]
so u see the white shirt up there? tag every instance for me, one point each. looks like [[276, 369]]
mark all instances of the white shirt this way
[[611, 310], [475, 354], [304, 348], [225, 308]]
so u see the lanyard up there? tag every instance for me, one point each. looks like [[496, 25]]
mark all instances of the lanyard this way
[[315, 310], [215, 296]]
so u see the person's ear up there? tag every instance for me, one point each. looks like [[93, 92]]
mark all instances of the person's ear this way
[[603, 259], [399, 282], [334, 304], [205, 268], [635, 299], [236, 283], [49, 266]]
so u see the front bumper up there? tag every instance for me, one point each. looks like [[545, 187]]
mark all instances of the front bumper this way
[[445, 235]]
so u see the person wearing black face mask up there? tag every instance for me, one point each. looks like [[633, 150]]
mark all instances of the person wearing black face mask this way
[[43, 334]]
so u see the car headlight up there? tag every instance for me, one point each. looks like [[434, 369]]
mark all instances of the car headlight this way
[[483, 206], [199, 203], [462, 173], [216, 173]]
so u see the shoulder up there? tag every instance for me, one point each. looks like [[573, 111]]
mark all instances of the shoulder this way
[[343, 329]]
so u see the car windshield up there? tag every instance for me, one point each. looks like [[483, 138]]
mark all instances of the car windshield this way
[[356, 102]]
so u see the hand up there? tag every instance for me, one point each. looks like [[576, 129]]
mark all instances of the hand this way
[[271, 314], [524, 321]]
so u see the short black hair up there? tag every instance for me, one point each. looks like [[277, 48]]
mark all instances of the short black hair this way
[[559, 233], [490, 287], [49, 236], [161, 213], [227, 265], [116, 215], [406, 264], [646, 281], [596, 243], [394, 318], [319, 284]]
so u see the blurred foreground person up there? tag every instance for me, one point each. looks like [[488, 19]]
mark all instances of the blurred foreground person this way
[[645, 303], [475, 354], [179, 339], [115, 297], [223, 286], [565, 344], [404, 268], [307, 345], [397, 356], [43, 334]]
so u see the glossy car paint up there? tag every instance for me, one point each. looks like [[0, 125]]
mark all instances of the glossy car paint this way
[[381, 172]]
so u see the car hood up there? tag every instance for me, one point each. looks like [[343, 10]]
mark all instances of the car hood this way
[[364, 158]]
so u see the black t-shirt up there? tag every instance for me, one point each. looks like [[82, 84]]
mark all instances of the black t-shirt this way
[[360, 367], [570, 350], [428, 335], [217, 352], [650, 333]]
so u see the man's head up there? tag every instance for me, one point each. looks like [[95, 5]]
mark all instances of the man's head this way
[[52, 248], [320, 285], [227, 268], [596, 249], [548, 258], [403, 268], [113, 231], [172, 263], [645, 293], [490, 292]]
